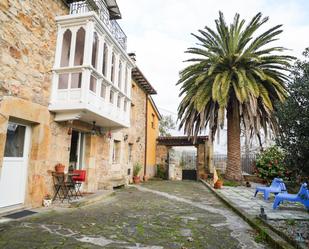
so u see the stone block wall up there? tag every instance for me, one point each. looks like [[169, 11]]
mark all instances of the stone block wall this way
[[27, 47]]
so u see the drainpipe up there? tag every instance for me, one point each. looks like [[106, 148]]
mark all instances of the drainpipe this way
[[146, 129]]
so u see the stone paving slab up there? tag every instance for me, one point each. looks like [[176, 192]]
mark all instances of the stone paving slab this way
[[158, 215], [244, 197]]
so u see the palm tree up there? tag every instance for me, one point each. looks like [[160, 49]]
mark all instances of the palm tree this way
[[238, 73]]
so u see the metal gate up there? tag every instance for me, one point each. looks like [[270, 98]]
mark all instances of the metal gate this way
[[189, 174], [188, 161]]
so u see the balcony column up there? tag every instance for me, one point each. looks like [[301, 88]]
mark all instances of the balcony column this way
[[73, 44], [88, 43], [123, 72], [116, 70], [59, 46], [100, 54], [85, 85], [54, 87], [128, 82], [109, 62]]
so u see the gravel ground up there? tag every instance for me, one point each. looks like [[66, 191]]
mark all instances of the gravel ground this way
[[295, 229]]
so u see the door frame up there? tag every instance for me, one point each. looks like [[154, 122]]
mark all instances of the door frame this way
[[26, 156]]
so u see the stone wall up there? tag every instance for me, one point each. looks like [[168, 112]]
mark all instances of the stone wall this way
[[137, 133], [27, 47]]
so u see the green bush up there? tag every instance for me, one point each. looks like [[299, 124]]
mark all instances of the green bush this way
[[270, 164], [160, 171]]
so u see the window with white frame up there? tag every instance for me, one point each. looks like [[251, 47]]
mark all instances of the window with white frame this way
[[79, 47], [113, 67], [66, 48], [118, 101], [120, 75], [76, 80], [126, 81], [125, 103], [130, 155], [93, 84], [63, 82], [103, 91], [111, 96], [116, 151], [95, 48], [105, 54]]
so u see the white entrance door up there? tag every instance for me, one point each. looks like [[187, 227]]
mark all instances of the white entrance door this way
[[14, 168]]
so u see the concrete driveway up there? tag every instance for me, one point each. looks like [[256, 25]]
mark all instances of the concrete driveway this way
[[155, 215]]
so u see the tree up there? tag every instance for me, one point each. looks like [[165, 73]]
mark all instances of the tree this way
[[237, 73], [166, 125], [294, 120]]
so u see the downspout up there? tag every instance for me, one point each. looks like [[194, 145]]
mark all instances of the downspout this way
[[146, 129]]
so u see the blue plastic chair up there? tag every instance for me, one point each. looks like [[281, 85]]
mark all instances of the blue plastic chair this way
[[277, 186], [302, 196]]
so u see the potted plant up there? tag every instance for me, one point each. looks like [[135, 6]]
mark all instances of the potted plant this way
[[204, 176], [47, 200], [136, 169], [219, 183], [59, 168]]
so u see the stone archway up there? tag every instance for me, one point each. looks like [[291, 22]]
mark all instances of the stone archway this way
[[164, 144]]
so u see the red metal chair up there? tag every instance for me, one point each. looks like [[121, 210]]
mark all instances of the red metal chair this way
[[78, 179]]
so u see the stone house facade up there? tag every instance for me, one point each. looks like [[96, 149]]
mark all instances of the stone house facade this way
[[53, 110]]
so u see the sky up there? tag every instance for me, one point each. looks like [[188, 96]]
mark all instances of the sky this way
[[159, 31]]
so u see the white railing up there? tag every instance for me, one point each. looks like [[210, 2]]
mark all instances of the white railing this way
[[70, 96], [102, 11]]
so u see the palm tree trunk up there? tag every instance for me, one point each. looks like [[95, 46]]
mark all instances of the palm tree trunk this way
[[233, 169]]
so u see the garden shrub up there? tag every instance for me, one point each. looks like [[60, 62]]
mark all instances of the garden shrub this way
[[161, 171], [270, 164]]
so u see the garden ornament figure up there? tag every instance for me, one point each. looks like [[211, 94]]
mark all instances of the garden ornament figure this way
[[263, 214]]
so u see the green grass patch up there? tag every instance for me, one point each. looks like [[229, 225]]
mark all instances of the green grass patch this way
[[230, 183]]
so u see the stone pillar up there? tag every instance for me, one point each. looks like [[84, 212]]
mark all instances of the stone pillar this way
[[162, 155], [91, 183], [209, 156], [201, 162]]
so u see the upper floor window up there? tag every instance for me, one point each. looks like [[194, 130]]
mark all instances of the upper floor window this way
[[103, 91], [105, 54], [113, 67], [66, 48], [76, 80], [63, 82], [93, 83], [120, 75], [79, 47], [118, 101], [116, 151], [95, 46], [111, 97], [126, 81], [152, 120], [125, 103]]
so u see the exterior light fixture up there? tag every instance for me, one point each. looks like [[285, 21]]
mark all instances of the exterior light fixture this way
[[93, 130], [125, 137], [138, 139]]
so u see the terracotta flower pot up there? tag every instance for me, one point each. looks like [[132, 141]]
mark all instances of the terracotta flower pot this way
[[204, 176], [59, 168], [218, 184], [136, 179]]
